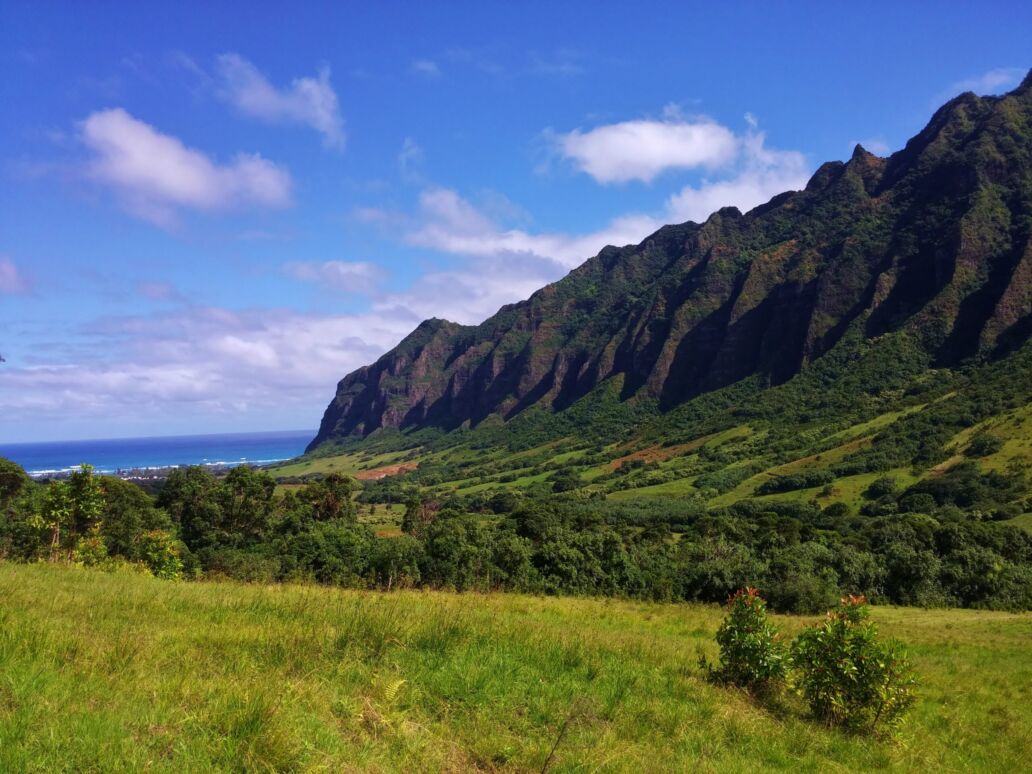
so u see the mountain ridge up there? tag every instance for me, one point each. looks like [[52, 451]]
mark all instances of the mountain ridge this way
[[935, 239]]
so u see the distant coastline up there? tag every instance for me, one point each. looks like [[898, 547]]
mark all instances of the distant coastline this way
[[153, 457]]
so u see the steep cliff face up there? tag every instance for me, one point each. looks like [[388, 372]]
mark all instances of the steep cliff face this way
[[936, 239]]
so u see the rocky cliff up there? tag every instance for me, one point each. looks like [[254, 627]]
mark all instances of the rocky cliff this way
[[935, 239]]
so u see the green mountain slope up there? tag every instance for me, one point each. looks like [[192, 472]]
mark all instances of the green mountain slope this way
[[933, 245]]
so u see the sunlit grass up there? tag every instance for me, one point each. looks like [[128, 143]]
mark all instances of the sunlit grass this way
[[349, 464], [125, 673]]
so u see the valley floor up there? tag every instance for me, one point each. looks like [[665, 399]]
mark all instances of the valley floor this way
[[108, 672]]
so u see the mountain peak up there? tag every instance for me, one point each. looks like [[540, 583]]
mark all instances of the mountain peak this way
[[860, 153], [1025, 87]]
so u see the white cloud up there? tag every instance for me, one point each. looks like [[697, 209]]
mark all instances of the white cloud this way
[[468, 296], [155, 174], [274, 365], [309, 101], [347, 276], [451, 224], [426, 67], [995, 81], [196, 365], [643, 149], [762, 173], [12, 281]]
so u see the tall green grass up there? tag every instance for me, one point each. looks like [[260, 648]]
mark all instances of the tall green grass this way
[[113, 673]]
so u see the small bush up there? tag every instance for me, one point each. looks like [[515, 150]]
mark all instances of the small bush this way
[[880, 487], [983, 445], [160, 552], [751, 654], [847, 676], [90, 550]]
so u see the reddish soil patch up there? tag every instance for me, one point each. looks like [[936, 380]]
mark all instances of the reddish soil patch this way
[[655, 453], [386, 470]]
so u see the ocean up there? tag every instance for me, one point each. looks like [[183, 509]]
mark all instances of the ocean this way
[[111, 455]]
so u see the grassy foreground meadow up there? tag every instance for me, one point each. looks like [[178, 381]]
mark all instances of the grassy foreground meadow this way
[[117, 672]]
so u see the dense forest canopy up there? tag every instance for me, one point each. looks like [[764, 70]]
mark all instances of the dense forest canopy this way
[[804, 557]]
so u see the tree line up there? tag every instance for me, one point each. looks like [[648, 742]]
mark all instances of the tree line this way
[[237, 526]]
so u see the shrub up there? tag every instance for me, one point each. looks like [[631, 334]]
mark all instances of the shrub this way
[[805, 480], [90, 550], [847, 676], [983, 445], [880, 487], [160, 552], [751, 654]]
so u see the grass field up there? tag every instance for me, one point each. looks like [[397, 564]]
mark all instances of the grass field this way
[[113, 673], [1024, 521], [349, 464]]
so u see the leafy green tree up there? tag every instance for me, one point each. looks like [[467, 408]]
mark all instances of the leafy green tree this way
[[13, 481], [190, 496], [160, 551], [246, 496], [802, 578], [336, 552], [57, 513], [566, 480], [848, 676], [395, 561], [713, 568], [881, 487], [129, 513], [513, 556], [458, 553], [87, 501], [751, 652], [332, 498], [983, 445], [419, 516]]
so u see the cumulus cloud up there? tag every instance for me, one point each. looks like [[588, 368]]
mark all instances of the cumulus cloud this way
[[346, 276], [761, 174], [451, 224], [12, 281], [996, 81], [643, 149], [276, 364], [308, 101], [468, 296], [155, 175], [195, 365]]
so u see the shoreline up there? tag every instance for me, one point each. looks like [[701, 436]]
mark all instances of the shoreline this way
[[152, 472]]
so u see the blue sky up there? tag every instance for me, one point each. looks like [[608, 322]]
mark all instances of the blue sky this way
[[208, 216]]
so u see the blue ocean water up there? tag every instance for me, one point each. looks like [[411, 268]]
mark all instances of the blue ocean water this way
[[111, 455]]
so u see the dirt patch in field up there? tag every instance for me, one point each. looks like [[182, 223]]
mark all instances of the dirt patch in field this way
[[386, 470], [945, 465], [654, 454]]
